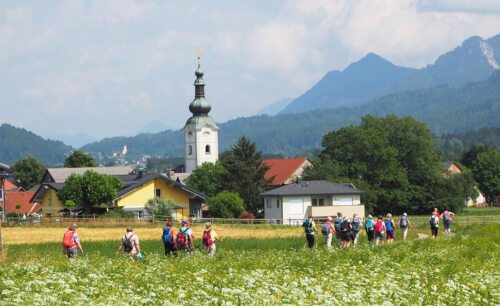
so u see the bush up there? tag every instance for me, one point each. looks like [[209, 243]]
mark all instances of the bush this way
[[225, 205], [11, 215], [247, 217], [160, 207], [119, 213]]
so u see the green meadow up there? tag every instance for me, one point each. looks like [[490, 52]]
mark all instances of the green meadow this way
[[460, 269]]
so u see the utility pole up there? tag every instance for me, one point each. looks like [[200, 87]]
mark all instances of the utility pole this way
[[3, 175]]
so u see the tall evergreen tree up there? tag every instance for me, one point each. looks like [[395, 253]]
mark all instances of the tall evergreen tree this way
[[245, 173]]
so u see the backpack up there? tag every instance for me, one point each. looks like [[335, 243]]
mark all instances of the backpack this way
[[127, 244], [356, 224], [378, 226], [182, 239], [403, 222], [369, 224], [337, 224], [167, 235], [207, 239], [308, 226], [344, 227], [433, 221], [325, 229], [68, 240]]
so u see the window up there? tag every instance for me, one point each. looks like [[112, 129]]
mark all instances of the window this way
[[268, 203], [190, 150], [318, 202], [207, 149], [158, 193], [277, 203], [190, 133]]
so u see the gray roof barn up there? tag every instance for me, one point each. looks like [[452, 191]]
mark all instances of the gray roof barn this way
[[59, 175]]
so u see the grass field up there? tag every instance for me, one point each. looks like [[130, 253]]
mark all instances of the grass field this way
[[271, 270]]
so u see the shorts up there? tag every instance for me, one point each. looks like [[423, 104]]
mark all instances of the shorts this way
[[390, 234], [447, 224], [345, 236], [379, 236], [434, 231], [72, 252]]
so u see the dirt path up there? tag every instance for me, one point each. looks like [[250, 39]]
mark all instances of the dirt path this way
[[422, 236]]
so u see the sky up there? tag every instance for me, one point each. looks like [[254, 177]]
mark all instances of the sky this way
[[108, 68]]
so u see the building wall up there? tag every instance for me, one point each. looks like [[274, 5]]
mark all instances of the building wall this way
[[51, 205], [198, 140], [271, 208]]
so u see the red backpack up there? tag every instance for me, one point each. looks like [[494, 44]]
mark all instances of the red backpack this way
[[182, 239], [207, 239], [378, 226], [68, 240]]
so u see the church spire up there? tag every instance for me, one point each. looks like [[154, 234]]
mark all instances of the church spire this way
[[200, 105]]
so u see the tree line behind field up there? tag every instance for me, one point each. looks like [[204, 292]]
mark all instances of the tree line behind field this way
[[394, 160]]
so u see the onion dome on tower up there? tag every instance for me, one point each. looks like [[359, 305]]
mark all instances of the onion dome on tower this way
[[200, 106]]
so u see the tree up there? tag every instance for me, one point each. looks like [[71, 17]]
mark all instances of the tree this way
[[225, 205], [28, 171], [89, 189], [245, 174], [207, 178], [79, 159], [160, 207], [470, 156], [393, 159], [486, 171]]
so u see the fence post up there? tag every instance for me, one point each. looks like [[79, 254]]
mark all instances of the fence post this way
[[153, 217]]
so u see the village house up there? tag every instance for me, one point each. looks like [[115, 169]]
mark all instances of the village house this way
[[285, 171], [292, 203], [449, 169]]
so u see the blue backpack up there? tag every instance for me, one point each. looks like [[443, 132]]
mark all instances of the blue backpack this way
[[369, 224], [308, 226], [337, 224], [167, 235], [356, 224]]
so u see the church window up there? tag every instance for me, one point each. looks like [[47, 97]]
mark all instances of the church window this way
[[190, 150], [207, 149]]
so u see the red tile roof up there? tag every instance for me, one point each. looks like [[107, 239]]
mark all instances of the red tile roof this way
[[21, 198], [282, 169]]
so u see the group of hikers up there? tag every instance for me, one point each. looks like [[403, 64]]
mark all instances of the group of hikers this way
[[182, 241], [347, 230]]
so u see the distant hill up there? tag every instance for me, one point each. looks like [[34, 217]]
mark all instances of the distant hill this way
[[276, 107], [443, 109], [16, 143], [75, 140], [154, 126], [454, 145], [370, 77]]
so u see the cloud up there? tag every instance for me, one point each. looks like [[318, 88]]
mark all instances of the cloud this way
[[464, 6]]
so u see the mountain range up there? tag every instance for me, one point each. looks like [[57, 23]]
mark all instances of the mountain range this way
[[372, 76], [458, 93]]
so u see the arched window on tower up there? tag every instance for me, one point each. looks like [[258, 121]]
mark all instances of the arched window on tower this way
[[207, 149], [190, 150]]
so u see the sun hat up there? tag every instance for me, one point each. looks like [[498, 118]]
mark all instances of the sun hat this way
[[404, 214], [370, 217], [208, 225], [329, 219]]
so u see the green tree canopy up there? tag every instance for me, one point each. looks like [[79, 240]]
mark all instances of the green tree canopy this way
[[245, 173], [79, 159], [225, 205], [393, 159], [89, 189], [160, 207], [486, 170], [207, 178], [470, 156], [28, 171]]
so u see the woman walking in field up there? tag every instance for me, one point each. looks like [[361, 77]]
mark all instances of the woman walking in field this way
[[369, 228], [71, 242], [310, 230], [434, 223], [130, 245], [168, 238], [404, 224], [209, 238], [390, 228], [379, 229]]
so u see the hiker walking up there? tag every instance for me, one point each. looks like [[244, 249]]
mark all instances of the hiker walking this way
[[310, 230], [404, 224], [356, 226], [184, 238], [345, 232], [447, 220], [168, 238], [327, 230], [71, 242], [434, 223], [130, 245], [338, 221], [379, 229], [390, 227], [369, 228], [209, 238]]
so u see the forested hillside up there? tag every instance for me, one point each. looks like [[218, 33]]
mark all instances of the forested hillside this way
[[454, 145], [16, 143]]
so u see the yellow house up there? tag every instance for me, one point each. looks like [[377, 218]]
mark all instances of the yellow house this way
[[137, 189]]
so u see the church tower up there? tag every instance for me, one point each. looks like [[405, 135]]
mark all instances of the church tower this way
[[200, 132]]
